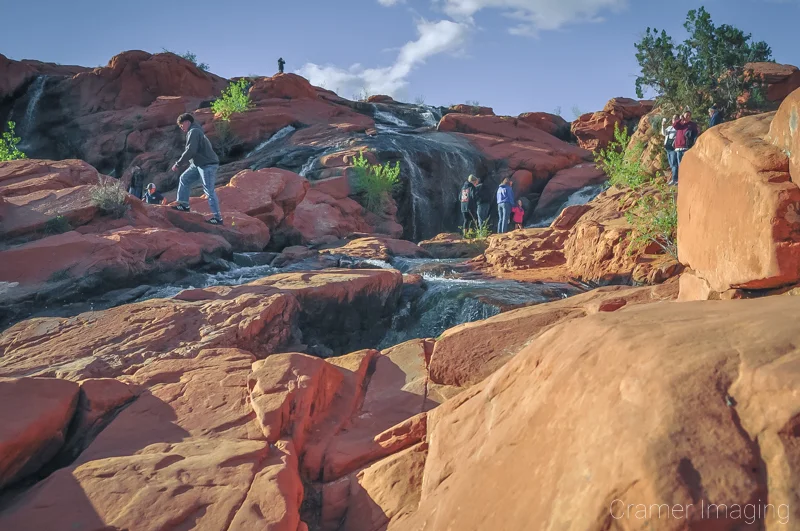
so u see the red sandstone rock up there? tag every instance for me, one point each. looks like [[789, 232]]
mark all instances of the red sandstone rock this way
[[379, 248], [595, 130], [22, 177], [15, 74], [474, 110], [468, 353], [452, 245], [746, 174], [380, 98], [627, 108], [36, 413], [569, 217], [25, 214], [549, 123], [627, 399], [785, 134], [270, 195], [284, 86], [781, 80]]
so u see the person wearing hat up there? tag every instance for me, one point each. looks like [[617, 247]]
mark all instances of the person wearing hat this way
[[153, 197], [714, 116]]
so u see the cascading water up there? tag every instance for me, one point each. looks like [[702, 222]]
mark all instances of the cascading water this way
[[581, 197], [277, 137], [35, 92], [385, 117]]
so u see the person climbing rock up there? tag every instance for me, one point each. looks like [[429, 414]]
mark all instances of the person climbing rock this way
[[137, 181], [669, 145], [505, 200], [686, 132], [153, 196], [203, 165], [483, 199], [467, 199], [281, 62], [519, 214]]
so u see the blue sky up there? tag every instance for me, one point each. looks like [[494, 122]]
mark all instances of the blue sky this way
[[513, 55]]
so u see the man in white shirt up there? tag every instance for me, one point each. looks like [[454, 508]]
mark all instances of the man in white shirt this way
[[669, 144]]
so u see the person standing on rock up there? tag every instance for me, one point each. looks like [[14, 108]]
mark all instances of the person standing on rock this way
[[137, 181], [483, 200], [153, 196], [203, 165], [281, 62], [686, 132], [505, 201], [669, 145], [467, 199]]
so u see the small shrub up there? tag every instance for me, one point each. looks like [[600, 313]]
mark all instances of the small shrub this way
[[8, 145], [420, 100], [557, 111], [653, 211], [655, 123], [226, 140], [234, 99], [192, 58], [576, 112], [109, 196], [375, 182], [57, 225], [477, 231]]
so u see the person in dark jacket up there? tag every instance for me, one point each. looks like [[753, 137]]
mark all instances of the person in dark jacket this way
[[281, 62], [686, 132], [483, 200], [505, 201], [714, 116], [153, 196], [467, 199], [137, 182], [203, 165]]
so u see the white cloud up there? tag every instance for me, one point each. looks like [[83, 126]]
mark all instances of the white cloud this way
[[434, 38], [535, 15], [390, 2]]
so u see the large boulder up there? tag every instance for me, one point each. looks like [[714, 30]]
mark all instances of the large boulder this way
[[474, 110], [781, 80], [602, 422], [282, 86], [15, 75], [36, 415], [549, 123], [22, 177], [595, 131], [737, 207], [784, 132]]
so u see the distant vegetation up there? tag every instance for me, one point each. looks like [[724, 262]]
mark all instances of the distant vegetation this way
[[109, 196], [191, 57], [375, 182], [653, 211], [8, 145], [234, 99], [706, 68], [57, 225], [576, 112], [557, 111]]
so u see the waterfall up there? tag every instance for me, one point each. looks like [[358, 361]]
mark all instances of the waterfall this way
[[581, 197], [388, 118], [283, 133], [35, 92]]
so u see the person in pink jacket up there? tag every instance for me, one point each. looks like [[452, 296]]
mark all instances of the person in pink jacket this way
[[518, 213]]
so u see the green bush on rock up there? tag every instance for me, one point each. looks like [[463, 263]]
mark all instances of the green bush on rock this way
[[653, 210], [8, 145], [109, 196], [234, 99], [375, 182]]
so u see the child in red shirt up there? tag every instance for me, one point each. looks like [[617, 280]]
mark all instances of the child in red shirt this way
[[518, 214]]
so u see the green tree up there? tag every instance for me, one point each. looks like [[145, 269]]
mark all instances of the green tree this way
[[706, 68], [8, 145], [374, 182], [233, 99]]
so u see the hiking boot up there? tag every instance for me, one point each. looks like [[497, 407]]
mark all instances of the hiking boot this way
[[215, 221], [181, 208]]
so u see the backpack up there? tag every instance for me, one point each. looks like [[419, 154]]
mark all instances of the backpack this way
[[464, 195], [691, 138]]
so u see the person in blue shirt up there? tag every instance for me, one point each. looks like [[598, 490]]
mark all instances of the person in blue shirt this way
[[153, 197], [714, 116], [505, 201]]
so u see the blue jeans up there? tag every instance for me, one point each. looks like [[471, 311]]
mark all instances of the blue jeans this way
[[672, 158], [208, 174], [483, 213], [504, 213]]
